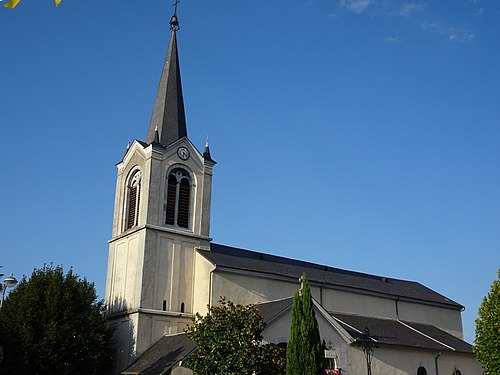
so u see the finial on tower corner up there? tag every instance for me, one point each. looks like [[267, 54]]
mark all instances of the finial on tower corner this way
[[128, 148], [206, 153], [174, 21], [157, 136]]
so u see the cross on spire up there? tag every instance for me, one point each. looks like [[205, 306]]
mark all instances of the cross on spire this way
[[175, 6]]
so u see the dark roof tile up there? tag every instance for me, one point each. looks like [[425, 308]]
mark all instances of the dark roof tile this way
[[442, 336], [395, 332], [160, 357], [239, 259], [270, 310]]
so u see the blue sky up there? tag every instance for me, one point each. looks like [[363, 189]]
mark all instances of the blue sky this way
[[361, 134]]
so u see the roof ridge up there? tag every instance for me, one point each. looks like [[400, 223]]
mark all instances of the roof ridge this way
[[363, 316], [427, 336], [274, 300], [347, 324], [174, 334], [323, 267]]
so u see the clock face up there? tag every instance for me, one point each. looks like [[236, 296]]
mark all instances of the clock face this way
[[183, 153]]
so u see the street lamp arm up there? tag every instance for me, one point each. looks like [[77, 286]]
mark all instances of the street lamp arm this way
[[8, 282]]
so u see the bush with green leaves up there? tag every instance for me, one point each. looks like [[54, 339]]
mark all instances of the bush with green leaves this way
[[229, 342]]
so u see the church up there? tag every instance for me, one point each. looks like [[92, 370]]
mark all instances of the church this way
[[163, 267]]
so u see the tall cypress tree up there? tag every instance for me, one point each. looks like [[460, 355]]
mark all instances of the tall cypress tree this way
[[304, 355], [293, 349]]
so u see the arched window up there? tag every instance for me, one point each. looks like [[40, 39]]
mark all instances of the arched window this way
[[178, 198], [133, 198], [421, 371]]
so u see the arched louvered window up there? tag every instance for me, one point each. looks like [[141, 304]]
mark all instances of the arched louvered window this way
[[171, 199], [178, 198], [133, 199]]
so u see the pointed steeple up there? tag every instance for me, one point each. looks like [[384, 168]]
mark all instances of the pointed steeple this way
[[168, 112]]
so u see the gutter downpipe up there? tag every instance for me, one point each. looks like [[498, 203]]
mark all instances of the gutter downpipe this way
[[436, 362], [210, 286]]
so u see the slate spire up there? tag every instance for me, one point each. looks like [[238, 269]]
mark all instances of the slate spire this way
[[168, 113]]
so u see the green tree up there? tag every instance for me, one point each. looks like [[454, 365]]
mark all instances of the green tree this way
[[229, 341], [304, 355], [487, 348], [53, 324]]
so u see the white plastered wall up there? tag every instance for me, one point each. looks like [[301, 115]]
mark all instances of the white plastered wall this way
[[169, 271], [248, 288], [202, 284], [446, 319], [123, 280], [255, 288]]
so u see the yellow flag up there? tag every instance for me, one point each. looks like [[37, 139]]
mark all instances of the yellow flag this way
[[11, 3], [57, 2]]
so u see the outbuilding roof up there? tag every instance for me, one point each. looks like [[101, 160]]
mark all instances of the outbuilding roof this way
[[401, 333], [271, 310], [162, 356]]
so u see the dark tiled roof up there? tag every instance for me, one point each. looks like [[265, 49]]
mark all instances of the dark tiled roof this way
[[444, 337], [160, 358], [270, 310], [395, 332], [239, 259]]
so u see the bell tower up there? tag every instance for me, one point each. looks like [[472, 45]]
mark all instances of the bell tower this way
[[161, 217]]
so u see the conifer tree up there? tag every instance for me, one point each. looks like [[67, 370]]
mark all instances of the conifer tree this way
[[304, 355], [487, 348], [293, 360]]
